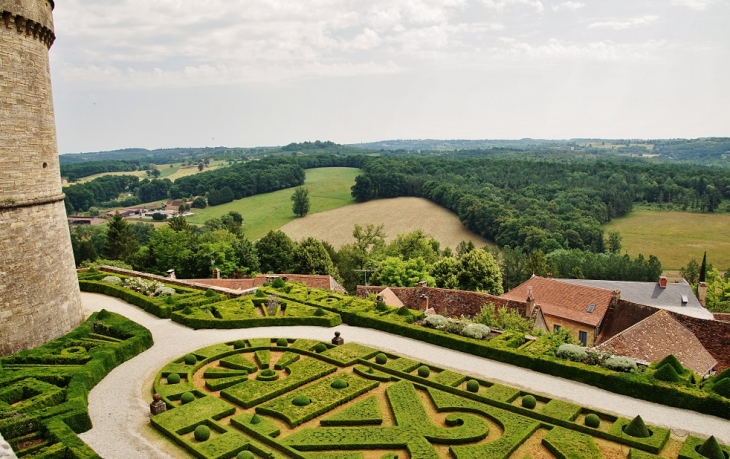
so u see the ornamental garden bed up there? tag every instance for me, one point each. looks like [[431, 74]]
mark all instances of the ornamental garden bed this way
[[353, 401]]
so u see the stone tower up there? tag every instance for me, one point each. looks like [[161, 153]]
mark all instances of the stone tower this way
[[39, 293]]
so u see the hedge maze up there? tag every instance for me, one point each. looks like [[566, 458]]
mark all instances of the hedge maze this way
[[303, 399]]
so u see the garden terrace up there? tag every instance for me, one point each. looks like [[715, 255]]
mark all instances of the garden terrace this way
[[354, 401]]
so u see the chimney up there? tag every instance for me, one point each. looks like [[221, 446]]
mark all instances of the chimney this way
[[530, 303], [216, 273], [662, 282], [423, 302], [702, 293], [171, 274], [615, 296], [549, 275], [423, 284]]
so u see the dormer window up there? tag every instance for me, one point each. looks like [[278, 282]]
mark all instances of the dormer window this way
[[685, 300], [591, 308]]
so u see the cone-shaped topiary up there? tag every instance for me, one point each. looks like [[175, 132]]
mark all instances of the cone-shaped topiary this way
[[282, 342], [202, 433], [529, 402], [722, 388], [245, 455], [319, 312], [370, 370], [673, 361], [381, 359], [472, 385], [711, 449], [239, 344], [592, 420], [190, 359], [255, 419], [187, 310], [187, 397], [667, 373], [637, 428], [103, 314], [173, 378], [339, 383], [424, 371], [301, 400], [319, 348]]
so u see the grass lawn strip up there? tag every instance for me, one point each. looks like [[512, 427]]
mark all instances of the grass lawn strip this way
[[561, 410], [449, 378], [348, 353], [567, 444], [323, 398], [286, 359], [239, 362]]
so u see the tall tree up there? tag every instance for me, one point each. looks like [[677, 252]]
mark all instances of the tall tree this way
[[121, 242], [275, 252], [300, 199], [703, 268], [311, 257], [479, 271]]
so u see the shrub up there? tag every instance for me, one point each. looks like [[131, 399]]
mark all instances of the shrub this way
[[173, 378], [278, 283], [187, 310], [319, 312], [380, 306], [282, 342], [476, 331], [637, 428], [404, 311], [202, 433], [320, 348], [190, 359], [711, 449], [245, 455], [260, 293], [381, 359], [239, 344], [114, 280], [187, 397], [667, 373], [255, 419], [424, 371], [339, 384], [724, 374], [572, 352], [210, 293], [620, 364], [673, 361], [436, 321], [529, 402], [592, 420], [301, 400], [472, 385], [722, 388], [164, 291]]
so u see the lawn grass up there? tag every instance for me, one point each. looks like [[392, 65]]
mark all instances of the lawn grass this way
[[329, 188], [675, 237]]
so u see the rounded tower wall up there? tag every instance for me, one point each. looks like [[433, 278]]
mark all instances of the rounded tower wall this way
[[39, 293]]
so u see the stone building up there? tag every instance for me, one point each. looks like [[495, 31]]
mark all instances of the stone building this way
[[39, 293]]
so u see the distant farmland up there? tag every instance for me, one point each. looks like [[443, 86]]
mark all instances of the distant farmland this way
[[676, 237], [399, 215]]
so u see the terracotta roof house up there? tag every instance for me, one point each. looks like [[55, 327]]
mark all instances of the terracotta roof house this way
[[566, 305], [658, 336], [310, 280], [676, 297], [454, 302]]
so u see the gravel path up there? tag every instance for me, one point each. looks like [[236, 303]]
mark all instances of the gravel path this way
[[119, 409]]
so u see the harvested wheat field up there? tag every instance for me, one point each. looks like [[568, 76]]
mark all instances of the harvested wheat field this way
[[399, 215]]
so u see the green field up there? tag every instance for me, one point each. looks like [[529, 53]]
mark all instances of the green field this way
[[676, 237], [329, 188], [172, 173]]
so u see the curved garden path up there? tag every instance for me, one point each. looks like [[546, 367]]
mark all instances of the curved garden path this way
[[119, 409]]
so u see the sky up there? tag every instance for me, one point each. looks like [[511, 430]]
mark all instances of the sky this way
[[183, 73]]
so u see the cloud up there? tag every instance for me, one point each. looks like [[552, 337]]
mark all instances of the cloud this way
[[698, 5], [627, 24], [600, 51], [572, 6], [500, 5]]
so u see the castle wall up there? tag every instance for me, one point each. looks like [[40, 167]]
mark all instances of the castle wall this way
[[39, 293]]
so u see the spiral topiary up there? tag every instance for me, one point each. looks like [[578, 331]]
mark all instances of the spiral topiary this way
[[301, 400], [245, 455], [472, 385], [593, 421], [381, 359], [239, 344], [319, 348], [173, 378], [187, 397], [202, 433], [190, 359], [339, 383], [424, 371], [282, 342], [529, 402]]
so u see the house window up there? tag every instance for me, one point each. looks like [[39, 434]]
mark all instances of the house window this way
[[583, 337], [556, 328]]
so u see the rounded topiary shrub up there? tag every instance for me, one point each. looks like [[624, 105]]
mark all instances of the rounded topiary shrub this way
[[339, 383], [667, 373], [239, 344], [190, 359], [187, 397], [472, 385], [593, 421], [319, 348], [173, 378], [245, 455], [278, 283], [724, 374], [210, 293], [476, 331], [436, 321], [381, 359], [301, 400], [571, 352], [529, 402], [380, 306], [187, 310], [722, 388], [282, 342], [403, 311], [424, 371], [202, 433], [625, 364], [319, 312]]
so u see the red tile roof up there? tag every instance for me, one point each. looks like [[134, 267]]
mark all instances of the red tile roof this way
[[656, 337], [565, 300]]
